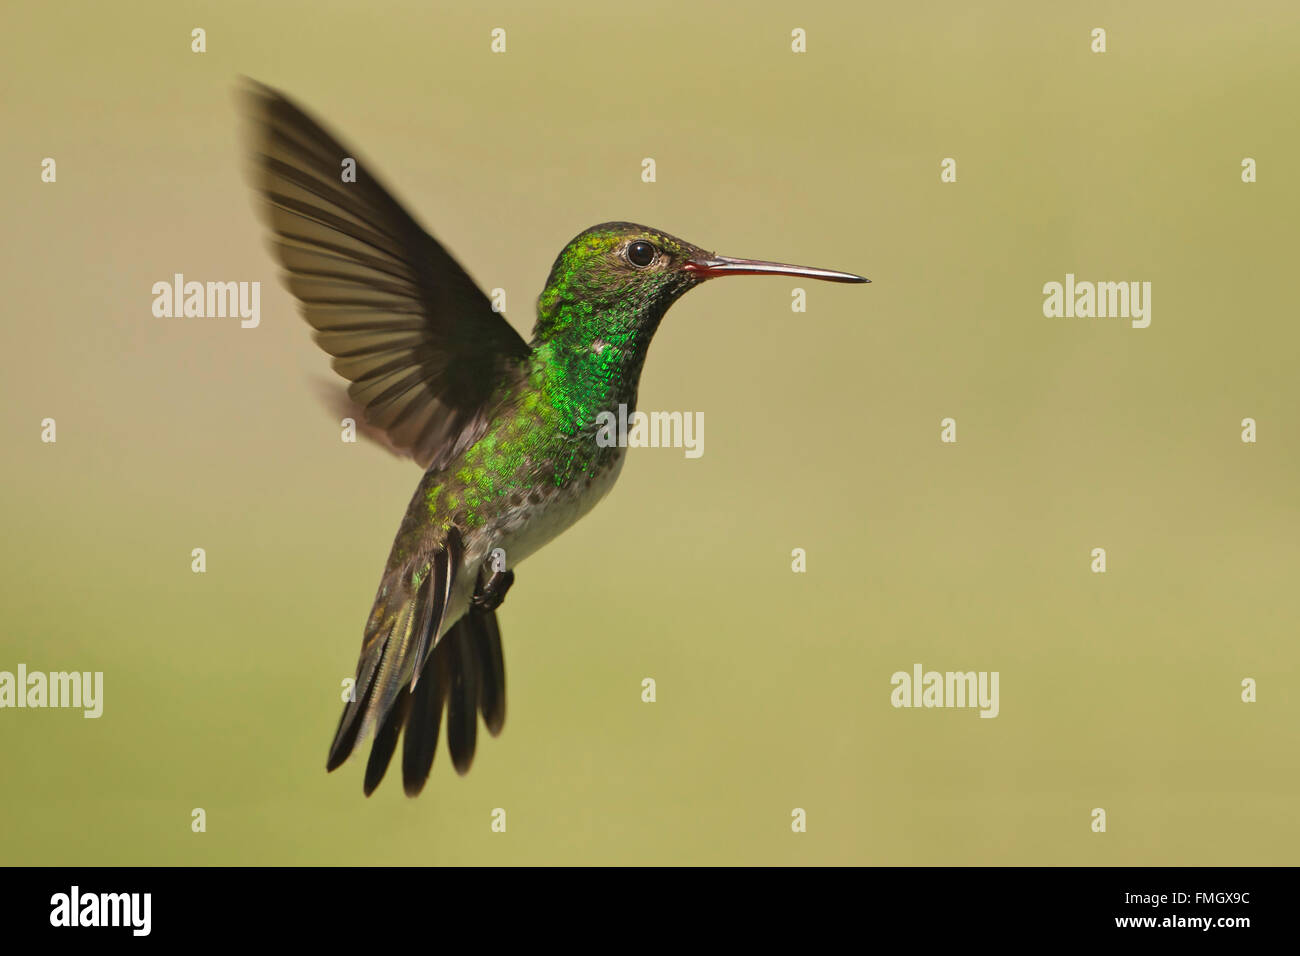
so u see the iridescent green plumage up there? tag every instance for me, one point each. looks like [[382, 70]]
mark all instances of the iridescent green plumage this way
[[506, 430]]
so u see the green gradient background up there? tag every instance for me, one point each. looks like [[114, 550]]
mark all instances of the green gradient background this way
[[1118, 691]]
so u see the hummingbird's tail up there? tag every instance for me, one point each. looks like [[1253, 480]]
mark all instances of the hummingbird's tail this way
[[463, 673]]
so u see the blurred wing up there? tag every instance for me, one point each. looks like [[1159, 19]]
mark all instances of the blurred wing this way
[[410, 330], [335, 397]]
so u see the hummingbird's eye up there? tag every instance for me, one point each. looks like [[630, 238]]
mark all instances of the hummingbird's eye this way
[[641, 253]]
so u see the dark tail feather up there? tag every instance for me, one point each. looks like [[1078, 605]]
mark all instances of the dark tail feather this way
[[462, 694], [422, 725], [436, 593], [464, 674], [381, 751], [345, 738], [486, 640], [407, 615]]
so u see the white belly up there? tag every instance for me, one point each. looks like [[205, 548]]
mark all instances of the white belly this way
[[524, 529]]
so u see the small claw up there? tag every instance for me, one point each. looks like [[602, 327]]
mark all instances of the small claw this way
[[489, 594]]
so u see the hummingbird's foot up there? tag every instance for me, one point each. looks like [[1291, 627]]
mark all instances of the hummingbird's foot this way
[[489, 594]]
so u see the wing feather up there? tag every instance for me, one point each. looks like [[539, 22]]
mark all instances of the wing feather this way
[[425, 354]]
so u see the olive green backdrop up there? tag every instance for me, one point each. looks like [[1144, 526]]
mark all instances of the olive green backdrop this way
[[1118, 690]]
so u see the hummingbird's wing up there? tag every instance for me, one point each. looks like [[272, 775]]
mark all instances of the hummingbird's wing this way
[[417, 339], [334, 396]]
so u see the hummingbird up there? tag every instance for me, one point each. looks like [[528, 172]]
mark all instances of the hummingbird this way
[[504, 429]]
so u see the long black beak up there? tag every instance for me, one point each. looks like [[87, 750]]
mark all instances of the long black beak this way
[[713, 266]]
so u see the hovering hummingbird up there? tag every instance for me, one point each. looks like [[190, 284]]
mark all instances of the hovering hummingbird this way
[[505, 429]]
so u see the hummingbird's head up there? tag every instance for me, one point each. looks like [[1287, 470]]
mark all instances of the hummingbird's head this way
[[619, 274], [620, 278]]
